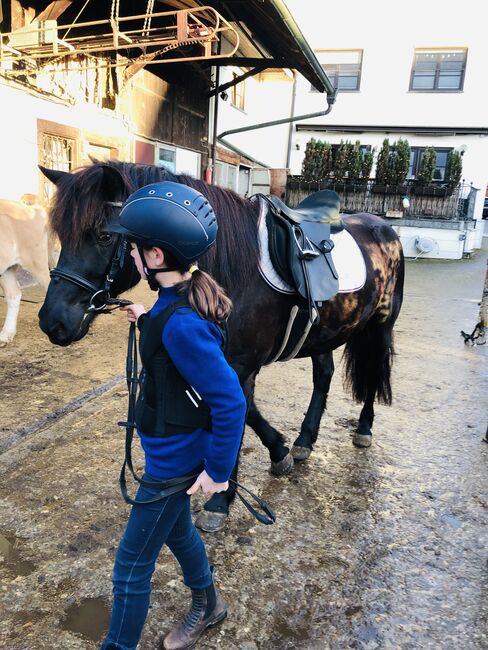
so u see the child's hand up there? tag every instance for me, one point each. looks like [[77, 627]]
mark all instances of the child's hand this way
[[207, 485], [134, 311]]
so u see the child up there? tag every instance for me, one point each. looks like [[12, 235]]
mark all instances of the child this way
[[190, 411]]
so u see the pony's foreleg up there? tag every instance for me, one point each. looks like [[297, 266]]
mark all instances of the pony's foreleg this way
[[279, 453], [212, 518], [323, 369], [12, 293]]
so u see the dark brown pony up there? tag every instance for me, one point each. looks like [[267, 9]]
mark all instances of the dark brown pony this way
[[363, 320]]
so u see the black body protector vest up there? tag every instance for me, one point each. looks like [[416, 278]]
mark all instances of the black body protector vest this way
[[167, 404]]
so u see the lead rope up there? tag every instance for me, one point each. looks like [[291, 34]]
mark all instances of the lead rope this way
[[166, 488]]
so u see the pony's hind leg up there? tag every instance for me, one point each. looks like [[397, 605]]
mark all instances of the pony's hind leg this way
[[12, 293], [323, 369], [368, 372]]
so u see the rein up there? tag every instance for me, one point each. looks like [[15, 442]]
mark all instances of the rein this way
[[166, 488]]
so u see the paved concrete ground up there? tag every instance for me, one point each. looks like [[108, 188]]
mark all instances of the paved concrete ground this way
[[378, 548]]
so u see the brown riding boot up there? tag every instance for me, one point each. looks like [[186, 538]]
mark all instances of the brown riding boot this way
[[207, 608]]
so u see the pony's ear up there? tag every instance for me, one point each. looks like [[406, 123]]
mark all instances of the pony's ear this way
[[54, 175], [93, 159], [113, 183]]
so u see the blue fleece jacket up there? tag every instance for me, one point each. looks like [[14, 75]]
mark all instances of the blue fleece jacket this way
[[194, 346]]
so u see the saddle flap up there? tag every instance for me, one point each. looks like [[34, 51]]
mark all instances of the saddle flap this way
[[301, 254]]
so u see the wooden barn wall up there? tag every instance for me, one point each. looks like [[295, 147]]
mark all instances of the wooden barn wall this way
[[172, 113]]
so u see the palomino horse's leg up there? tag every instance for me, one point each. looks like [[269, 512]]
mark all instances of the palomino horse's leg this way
[[12, 293], [323, 369]]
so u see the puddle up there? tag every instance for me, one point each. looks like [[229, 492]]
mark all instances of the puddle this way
[[9, 551], [91, 618], [451, 520]]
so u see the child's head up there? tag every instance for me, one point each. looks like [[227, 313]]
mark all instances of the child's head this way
[[171, 216], [171, 226]]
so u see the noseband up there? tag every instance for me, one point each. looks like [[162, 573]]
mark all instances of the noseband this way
[[100, 298]]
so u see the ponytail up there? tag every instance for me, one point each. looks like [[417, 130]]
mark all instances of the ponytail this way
[[206, 296]]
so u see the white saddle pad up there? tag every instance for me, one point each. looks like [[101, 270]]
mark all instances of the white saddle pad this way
[[346, 255]]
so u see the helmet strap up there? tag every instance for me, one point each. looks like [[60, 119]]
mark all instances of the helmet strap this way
[[151, 273]]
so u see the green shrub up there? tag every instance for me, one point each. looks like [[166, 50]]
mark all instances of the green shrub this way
[[454, 169], [382, 166], [427, 166], [317, 162]]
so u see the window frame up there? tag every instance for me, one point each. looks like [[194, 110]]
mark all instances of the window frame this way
[[337, 66], [438, 51], [238, 95], [418, 152]]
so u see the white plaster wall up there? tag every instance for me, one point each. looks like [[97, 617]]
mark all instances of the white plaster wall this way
[[448, 244], [265, 101], [388, 34], [18, 134]]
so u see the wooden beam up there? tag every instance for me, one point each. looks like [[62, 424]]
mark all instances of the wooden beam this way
[[234, 82], [54, 10], [247, 62]]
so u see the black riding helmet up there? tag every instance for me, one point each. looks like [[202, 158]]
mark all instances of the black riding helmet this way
[[169, 215]]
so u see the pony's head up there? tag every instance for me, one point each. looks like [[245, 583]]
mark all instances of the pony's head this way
[[84, 202]]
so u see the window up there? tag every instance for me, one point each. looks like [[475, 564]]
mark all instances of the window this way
[[57, 153], [238, 93], [438, 71], [225, 175], [179, 161], [416, 154], [343, 67], [167, 158]]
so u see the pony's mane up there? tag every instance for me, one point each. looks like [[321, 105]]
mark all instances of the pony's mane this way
[[80, 206]]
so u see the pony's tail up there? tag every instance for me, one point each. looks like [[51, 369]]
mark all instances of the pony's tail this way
[[369, 356]]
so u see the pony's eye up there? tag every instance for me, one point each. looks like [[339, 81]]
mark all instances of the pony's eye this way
[[104, 238]]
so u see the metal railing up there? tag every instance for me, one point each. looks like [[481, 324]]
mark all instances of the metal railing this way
[[434, 201]]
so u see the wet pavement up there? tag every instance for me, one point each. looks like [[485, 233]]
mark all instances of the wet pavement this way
[[379, 548]]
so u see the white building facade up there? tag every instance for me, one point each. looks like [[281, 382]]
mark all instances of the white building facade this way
[[418, 75]]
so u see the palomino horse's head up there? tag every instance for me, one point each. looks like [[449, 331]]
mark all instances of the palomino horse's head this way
[[83, 203]]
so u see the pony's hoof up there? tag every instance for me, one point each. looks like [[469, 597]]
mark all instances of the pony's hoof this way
[[210, 522], [282, 467], [3, 344], [300, 453], [361, 440]]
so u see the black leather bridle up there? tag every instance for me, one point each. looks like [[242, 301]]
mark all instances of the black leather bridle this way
[[101, 301]]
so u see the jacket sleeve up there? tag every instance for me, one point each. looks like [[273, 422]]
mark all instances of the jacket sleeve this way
[[194, 347]]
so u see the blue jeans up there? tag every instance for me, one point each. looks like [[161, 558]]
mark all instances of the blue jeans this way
[[150, 527]]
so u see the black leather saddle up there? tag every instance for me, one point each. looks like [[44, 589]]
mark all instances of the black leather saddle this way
[[300, 246]]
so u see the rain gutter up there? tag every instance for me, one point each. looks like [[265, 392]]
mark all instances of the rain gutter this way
[[309, 54]]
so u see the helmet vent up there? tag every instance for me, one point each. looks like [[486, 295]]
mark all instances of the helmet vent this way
[[169, 194], [187, 202], [152, 192]]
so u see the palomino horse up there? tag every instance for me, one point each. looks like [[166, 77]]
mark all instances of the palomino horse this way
[[362, 320], [24, 244]]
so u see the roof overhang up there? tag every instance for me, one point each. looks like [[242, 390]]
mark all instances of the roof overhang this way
[[268, 34]]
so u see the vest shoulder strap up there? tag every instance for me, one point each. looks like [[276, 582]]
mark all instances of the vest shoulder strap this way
[[154, 327]]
